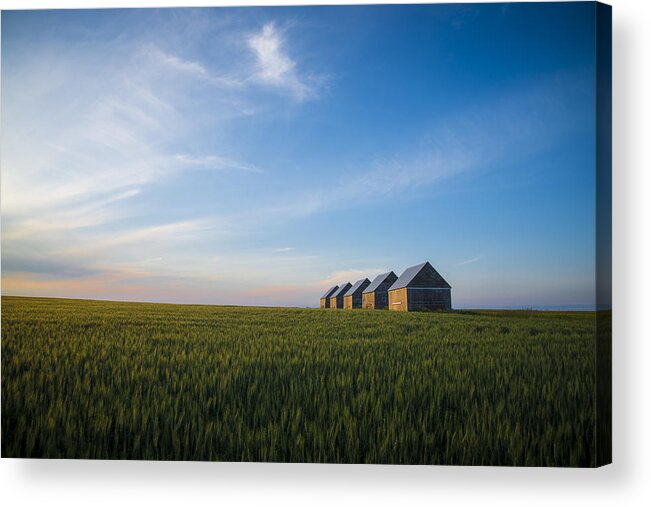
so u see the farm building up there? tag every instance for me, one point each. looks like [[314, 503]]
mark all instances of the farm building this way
[[337, 297], [420, 287], [376, 295], [353, 298], [325, 299]]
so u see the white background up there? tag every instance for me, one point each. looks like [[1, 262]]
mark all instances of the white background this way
[[626, 482]]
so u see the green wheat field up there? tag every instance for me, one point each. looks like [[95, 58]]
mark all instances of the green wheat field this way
[[91, 379]]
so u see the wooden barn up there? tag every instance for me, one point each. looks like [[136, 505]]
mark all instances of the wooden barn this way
[[325, 299], [353, 298], [376, 295], [420, 287], [337, 297]]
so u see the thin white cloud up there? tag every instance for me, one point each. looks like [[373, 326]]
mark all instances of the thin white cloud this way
[[471, 261], [274, 66], [474, 140], [192, 68], [216, 162], [97, 212], [284, 249], [166, 232], [180, 65], [447, 157]]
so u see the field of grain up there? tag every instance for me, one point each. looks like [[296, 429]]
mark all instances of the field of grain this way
[[85, 379]]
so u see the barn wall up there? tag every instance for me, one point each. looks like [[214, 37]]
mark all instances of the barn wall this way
[[381, 294], [337, 302], [381, 299], [325, 302], [428, 299], [368, 300], [398, 300], [354, 301]]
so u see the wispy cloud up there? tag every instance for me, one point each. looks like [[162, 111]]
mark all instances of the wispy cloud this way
[[178, 64], [170, 232], [71, 153], [216, 162], [284, 249], [275, 67], [237, 78], [470, 141], [470, 261]]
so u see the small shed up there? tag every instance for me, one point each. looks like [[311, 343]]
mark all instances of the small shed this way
[[376, 295], [337, 297], [353, 298], [325, 299], [420, 287]]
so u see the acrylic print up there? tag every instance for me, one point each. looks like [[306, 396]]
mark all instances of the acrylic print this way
[[337, 234]]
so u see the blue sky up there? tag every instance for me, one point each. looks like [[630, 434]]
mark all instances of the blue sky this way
[[260, 155]]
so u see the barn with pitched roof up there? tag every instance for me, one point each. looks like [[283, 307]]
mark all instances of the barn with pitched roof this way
[[337, 297], [353, 298], [325, 299], [376, 295], [420, 287]]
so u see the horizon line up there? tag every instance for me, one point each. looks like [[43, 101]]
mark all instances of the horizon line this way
[[582, 308]]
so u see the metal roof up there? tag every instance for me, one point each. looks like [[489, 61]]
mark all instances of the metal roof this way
[[341, 290], [330, 291], [377, 281], [410, 273], [359, 284]]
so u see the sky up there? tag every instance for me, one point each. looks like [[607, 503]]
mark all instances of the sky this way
[[260, 155]]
